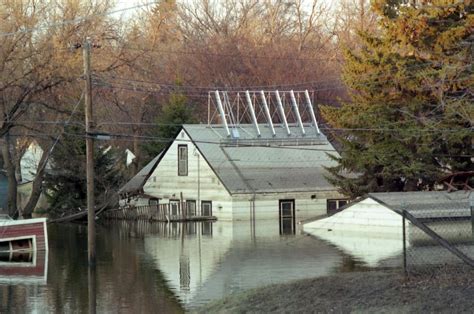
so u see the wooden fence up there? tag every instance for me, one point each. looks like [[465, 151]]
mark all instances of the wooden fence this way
[[160, 212]]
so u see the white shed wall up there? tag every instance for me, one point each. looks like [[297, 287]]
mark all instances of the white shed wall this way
[[364, 216]]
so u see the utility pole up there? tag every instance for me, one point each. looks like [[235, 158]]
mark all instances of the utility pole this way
[[89, 154]]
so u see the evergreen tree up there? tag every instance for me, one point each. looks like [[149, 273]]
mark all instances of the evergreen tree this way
[[176, 112], [65, 182], [410, 118]]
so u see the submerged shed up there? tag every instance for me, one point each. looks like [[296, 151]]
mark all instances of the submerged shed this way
[[381, 213]]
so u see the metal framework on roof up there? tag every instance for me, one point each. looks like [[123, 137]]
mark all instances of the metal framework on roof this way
[[230, 109]]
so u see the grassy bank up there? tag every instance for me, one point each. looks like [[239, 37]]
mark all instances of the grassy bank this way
[[369, 292]]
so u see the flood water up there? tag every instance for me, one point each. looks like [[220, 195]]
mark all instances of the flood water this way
[[166, 268]]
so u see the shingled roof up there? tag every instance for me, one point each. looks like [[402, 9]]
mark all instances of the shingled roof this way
[[248, 163]]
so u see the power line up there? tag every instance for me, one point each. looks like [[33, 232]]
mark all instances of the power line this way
[[207, 88], [231, 55], [151, 124], [151, 139], [122, 86], [144, 84]]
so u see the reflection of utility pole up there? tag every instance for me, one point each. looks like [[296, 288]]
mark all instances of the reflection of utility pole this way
[[89, 154]]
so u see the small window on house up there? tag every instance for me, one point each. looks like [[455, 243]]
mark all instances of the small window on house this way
[[206, 208], [182, 160], [174, 207], [335, 204], [190, 208]]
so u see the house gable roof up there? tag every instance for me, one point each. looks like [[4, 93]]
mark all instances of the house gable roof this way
[[135, 185], [265, 163]]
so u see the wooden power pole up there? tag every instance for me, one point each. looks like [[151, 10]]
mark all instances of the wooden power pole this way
[[89, 154]]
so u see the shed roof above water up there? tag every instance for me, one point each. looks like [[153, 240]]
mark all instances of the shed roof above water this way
[[427, 204], [248, 163]]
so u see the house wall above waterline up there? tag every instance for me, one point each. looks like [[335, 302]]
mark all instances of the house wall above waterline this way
[[200, 183], [234, 177]]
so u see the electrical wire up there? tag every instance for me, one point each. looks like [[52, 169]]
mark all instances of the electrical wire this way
[[333, 79]]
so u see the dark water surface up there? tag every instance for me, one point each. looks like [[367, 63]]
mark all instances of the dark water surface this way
[[162, 268]]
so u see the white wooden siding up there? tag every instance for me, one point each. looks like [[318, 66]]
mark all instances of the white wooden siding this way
[[164, 182], [307, 205], [367, 215]]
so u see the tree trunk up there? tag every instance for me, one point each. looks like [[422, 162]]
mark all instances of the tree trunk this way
[[37, 188], [19, 178], [12, 183]]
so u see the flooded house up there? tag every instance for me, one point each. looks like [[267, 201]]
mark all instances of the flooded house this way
[[244, 171]]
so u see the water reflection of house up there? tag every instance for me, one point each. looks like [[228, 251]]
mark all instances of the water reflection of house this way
[[24, 267], [207, 261], [259, 176]]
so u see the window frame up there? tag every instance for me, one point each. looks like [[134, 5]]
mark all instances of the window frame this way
[[338, 205], [183, 172], [188, 204], [210, 208], [290, 217], [173, 202]]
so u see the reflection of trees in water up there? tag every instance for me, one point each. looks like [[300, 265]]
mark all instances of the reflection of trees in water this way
[[126, 279]]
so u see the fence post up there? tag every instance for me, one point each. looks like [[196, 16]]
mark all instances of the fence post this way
[[404, 243]]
